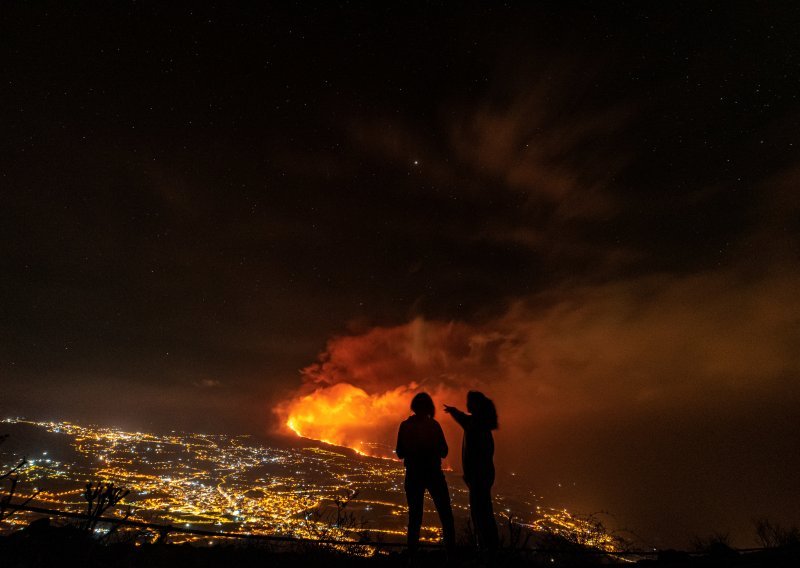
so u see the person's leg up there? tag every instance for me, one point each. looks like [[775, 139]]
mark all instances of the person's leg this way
[[475, 514], [415, 496], [492, 538], [480, 506], [441, 499]]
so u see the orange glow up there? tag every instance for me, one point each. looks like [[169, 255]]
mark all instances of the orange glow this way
[[361, 387], [345, 415]]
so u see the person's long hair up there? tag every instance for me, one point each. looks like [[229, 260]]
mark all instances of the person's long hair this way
[[422, 404], [482, 408]]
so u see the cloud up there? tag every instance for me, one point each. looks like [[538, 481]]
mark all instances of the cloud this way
[[538, 139], [667, 338], [523, 145]]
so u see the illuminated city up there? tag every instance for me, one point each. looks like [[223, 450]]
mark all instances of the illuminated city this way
[[232, 484]]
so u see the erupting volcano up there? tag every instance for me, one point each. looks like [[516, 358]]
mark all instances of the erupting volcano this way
[[361, 387], [346, 415]]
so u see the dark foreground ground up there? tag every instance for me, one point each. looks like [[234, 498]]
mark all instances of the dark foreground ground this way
[[55, 547]]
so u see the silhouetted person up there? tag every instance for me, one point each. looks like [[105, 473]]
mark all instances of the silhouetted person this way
[[477, 460], [421, 446]]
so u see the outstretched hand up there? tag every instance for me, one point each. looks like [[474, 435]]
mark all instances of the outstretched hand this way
[[449, 409]]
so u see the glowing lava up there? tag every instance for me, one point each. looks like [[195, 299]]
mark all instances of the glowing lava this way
[[360, 388], [345, 415]]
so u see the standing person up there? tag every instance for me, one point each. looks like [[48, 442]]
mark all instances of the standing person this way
[[421, 446], [477, 460]]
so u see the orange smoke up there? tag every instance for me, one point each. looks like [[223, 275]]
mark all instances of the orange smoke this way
[[578, 355]]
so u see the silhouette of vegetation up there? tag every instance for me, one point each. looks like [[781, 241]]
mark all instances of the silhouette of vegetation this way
[[45, 544], [552, 545], [337, 522], [771, 535], [99, 499], [468, 536], [592, 545], [716, 544], [12, 477], [519, 536], [594, 533]]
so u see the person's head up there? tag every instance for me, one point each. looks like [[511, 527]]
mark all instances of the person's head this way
[[422, 405], [482, 408]]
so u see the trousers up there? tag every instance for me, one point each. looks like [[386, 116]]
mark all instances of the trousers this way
[[482, 514], [434, 482]]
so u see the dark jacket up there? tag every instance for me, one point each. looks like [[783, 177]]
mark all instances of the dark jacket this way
[[477, 450], [421, 444]]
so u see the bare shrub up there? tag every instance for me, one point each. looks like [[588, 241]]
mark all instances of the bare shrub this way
[[99, 499], [12, 476], [771, 535]]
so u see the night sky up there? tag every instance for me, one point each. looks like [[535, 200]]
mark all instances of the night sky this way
[[591, 213]]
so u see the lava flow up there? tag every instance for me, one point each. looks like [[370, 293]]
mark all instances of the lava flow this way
[[345, 415]]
